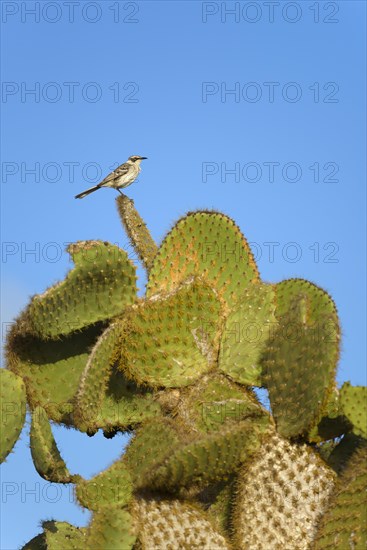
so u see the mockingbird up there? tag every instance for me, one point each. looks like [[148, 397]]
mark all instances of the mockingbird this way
[[123, 176]]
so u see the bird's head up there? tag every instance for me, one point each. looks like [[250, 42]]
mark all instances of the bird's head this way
[[136, 159]]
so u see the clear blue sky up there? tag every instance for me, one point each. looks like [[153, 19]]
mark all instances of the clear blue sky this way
[[106, 87]]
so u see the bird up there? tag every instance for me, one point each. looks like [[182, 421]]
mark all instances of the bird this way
[[123, 176]]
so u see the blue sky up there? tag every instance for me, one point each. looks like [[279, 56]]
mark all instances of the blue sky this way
[[260, 115]]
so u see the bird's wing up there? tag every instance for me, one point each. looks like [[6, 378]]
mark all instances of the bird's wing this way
[[119, 171]]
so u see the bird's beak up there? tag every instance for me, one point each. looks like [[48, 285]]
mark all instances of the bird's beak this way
[[143, 158]]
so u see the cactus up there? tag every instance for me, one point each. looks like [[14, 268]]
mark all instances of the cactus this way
[[248, 327], [353, 402], [208, 465], [173, 524], [137, 231], [51, 369], [208, 244], [56, 535], [113, 485], [299, 363], [161, 357], [344, 523], [12, 412], [112, 527], [46, 456], [275, 493], [99, 287]]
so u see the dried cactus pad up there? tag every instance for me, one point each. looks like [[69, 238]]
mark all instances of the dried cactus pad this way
[[179, 526], [283, 492]]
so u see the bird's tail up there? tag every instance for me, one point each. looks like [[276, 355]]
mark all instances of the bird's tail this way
[[87, 192]]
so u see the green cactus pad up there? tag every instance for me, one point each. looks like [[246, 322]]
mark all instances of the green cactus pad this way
[[319, 310], [124, 406], [100, 286], [172, 341], [111, 528], [45, 454], [211, 458], [249, 325], [332, 424], [106, 399], [175, 525], [152, 443], [342, 451], [325, 449], [221, 504], [12, 410], [207, 244], [57, 535], [344, 523], [111, 487], [299, 362], [214, 401], [60, 534], [51, 369], [281, 495], [353, 403], [94, 380], [37, 543], [137, 231]]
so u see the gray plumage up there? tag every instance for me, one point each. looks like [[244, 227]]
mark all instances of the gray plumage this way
[[123, 176]]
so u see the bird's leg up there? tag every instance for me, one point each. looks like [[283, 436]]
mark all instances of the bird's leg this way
[[120, 192]]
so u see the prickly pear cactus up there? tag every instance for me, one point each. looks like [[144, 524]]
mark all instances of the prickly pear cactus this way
[[208, 466]]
